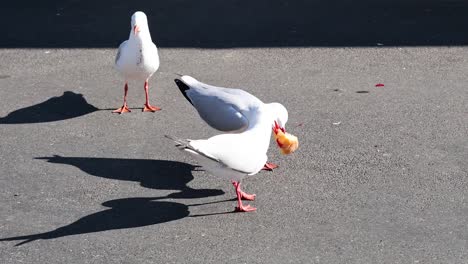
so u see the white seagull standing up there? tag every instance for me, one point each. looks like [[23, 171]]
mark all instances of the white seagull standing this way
[[236, 155], [223, 108], [137, 59]]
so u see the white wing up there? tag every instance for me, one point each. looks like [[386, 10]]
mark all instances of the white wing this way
[[223, 109], [233, 151], [225, 156], [119, 51]]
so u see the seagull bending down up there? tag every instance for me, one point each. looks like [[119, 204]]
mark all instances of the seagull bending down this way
[[137, 59], [234, 156], [222, 108]]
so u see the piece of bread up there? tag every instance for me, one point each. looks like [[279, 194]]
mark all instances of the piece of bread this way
[[288, 143]]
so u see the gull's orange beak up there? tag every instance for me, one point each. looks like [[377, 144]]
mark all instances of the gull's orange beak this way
[[136, 29], [276, 129], [286, 142]]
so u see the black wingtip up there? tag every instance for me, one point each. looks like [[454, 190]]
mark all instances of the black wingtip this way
[[183, 89]]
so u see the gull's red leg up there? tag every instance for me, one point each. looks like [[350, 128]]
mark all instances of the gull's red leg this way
[[124, 108], [269, 166], [148, 107], [240, 207], [244, 195]]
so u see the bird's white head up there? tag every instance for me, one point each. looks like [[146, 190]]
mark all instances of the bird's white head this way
[[286, 142], [139, 23], [280, 115]]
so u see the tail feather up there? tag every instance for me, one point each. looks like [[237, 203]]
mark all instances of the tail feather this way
[[180, 143], [184, 144]]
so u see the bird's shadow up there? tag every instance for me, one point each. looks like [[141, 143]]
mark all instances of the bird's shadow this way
[[154, 174], [122, 213], [68, 105], [130, 212]]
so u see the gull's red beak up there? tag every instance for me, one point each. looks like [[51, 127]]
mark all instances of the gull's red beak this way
[[277, 128], [136, 29]]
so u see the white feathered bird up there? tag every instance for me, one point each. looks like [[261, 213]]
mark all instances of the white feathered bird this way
[[232, 156], [137, 59], [224, 109]]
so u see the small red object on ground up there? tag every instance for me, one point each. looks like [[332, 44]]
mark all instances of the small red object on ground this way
[[379, 85]]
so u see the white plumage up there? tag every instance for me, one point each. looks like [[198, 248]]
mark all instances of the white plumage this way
[[137, 59], [232, 156]]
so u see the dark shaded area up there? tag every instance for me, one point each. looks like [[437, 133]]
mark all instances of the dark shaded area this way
[[69, 105], [124, 213], [236, 23], [362, 92], [130, 212], [155, 174]]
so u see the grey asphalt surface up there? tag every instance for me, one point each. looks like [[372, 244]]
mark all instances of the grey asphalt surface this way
[[381, 174]]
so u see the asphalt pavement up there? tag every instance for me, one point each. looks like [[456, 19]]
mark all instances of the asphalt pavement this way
[[380, 176]]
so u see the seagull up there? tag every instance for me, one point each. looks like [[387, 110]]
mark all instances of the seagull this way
[[233, 156], [222, 108], [137, 59]]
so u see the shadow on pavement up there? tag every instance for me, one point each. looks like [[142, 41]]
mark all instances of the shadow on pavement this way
[[235, 23], [155, 174], [123, 213], [69, 105], [130, 212]]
